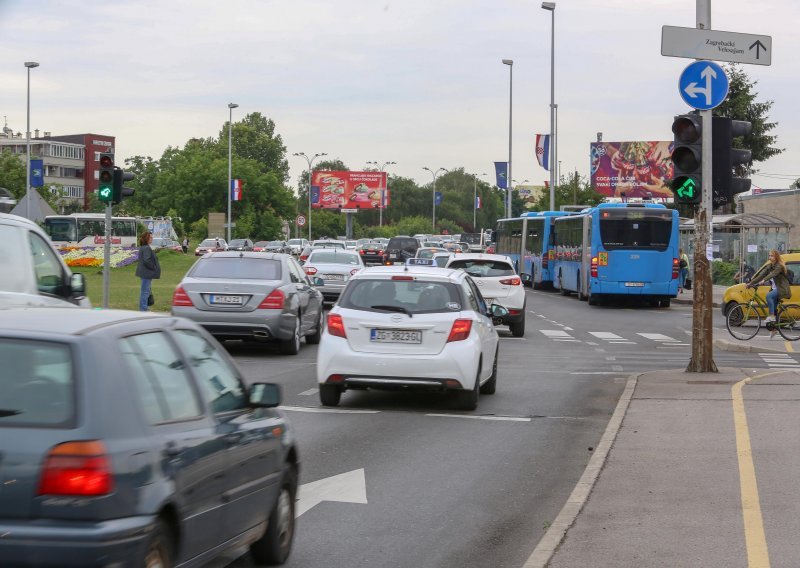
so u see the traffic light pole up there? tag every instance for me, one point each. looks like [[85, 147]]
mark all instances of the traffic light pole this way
[[702, 360], [107, 257]]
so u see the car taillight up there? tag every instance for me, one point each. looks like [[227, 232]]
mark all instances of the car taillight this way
[[514, 281], [676, 267], [310, 270], [77, 469], [274, 301], [336, 325], [303, 257], [181, 298], [362, 251], [594, 267], [460, 330]]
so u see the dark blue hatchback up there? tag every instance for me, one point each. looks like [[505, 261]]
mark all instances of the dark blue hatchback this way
[[130, 439]]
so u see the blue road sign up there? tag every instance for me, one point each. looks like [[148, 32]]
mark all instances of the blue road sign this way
[[437, 199], [703, 85]]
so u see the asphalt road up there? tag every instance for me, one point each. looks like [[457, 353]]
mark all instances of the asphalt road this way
[[404, 479]]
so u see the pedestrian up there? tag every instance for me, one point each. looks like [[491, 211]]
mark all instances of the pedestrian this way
[[744, 275], [217, 244], [773, 273], [683, 265], [185, 244], [148, 270]]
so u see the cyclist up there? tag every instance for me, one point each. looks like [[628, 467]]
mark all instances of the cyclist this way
[[773, 272]]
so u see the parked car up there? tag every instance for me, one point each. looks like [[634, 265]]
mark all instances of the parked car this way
[[33, 273], [371, 252], [210, 245], [240, 244], [164, 243], [432, 323], [252, 296], [334, 267], [499, 284], [401, 249], [119, 433]]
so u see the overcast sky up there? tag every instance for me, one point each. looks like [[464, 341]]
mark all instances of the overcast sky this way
[[418, 82]]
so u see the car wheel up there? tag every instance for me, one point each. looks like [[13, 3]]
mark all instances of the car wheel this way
[[159, 548], [468, 399], [329, 395], [292, 346], [315, 337], [518, 328], [593, 301], [491, 385], [276, 543]]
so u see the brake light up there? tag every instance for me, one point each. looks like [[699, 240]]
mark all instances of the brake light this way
[[402, 278], [594, 267], [310, 270], [545, 262], [336, 325], [304, 257], [77, 468], [362, 251], [274, 301], [513, 281], [335, 379], [460, 330], [676, 267], [514, 312], [181, 298]]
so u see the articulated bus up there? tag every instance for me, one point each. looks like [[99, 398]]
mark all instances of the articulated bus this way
[[528, 241], [617, 250], [88, 230]]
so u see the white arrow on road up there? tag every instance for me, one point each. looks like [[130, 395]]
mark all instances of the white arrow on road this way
[[349, 487], [693, 90]]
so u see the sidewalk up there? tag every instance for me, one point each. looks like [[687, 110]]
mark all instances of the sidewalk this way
[[668, 483]]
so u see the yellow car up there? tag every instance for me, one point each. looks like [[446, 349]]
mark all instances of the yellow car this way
[[738, 294]]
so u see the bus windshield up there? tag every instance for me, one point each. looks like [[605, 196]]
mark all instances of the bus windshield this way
[[635, 229], [61, 229]]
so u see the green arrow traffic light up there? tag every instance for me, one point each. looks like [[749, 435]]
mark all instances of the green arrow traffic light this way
[[687, 189]]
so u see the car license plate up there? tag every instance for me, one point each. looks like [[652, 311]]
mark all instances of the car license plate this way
[[395, 335], [634, 284], [333, 276], [489, 300], [226, 300]]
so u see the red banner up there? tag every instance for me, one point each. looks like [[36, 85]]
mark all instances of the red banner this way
[[349, 190], [636, 169]]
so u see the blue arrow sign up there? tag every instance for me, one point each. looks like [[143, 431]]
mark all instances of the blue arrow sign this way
[[703, 85]]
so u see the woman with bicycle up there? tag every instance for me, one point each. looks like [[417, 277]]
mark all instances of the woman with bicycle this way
[[774, 273]]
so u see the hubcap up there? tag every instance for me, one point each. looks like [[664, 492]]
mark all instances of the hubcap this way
[[284, 518]]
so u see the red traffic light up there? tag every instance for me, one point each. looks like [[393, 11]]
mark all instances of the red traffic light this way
[[687, 129], [106, 161]]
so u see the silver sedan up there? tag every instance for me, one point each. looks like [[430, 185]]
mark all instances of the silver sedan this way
[[334, 267], [252, 296]]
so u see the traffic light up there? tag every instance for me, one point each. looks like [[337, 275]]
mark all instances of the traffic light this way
[[687, 159], [725, 158], [120, 192], [105, 187]]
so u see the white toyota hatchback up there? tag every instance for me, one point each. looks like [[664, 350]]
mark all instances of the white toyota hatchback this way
[[410, 327]]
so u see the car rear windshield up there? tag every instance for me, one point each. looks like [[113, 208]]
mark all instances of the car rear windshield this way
[[332, 257], [483, 268], [37, 384], [636, 229], [209, 243], [237, 268], [402, 296], [398, 243]]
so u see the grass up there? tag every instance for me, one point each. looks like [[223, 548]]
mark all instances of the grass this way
[[123, 290]]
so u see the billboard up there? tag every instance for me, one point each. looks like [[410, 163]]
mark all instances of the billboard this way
[[349, 190], [637, 169]]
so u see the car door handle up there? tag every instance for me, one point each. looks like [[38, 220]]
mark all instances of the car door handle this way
[[233, 438]]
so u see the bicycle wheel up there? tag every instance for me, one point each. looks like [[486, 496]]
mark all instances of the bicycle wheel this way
[[789, 322], [743, 321]]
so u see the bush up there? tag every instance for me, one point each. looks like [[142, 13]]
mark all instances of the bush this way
[[722, 272]]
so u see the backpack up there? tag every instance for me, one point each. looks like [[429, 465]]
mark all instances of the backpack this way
[[683, 263]]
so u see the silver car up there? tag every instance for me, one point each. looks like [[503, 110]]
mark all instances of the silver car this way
[[334, 267], [252, 296]]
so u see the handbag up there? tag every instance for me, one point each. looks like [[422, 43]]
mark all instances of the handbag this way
[[687, 284], [150, 299]]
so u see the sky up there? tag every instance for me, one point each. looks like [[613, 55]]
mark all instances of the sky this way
[[417, 82]]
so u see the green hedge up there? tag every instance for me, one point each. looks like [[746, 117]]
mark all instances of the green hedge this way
[[722, 272]]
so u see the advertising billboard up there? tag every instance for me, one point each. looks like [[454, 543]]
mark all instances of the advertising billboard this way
[[637, 169], [349, 190]]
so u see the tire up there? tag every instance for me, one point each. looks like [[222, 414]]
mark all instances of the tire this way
[[468, 399], [788, 322], [491, 385], [274, 546], [743, 322], [518, 328], [315, 337], [592, 299], [664, 303], [329, 395], [292, 346], [159, 547]]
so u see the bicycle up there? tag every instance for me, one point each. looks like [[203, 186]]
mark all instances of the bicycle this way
[[744, 320]]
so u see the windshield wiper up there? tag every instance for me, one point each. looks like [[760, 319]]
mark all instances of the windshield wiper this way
[[400, 309], [6, 412]]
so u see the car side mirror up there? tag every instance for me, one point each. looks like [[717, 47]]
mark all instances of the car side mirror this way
[[77, 285], [498, 311], [264, 395], [317, 281]]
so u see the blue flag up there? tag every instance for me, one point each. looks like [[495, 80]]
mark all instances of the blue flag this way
[[501, 169], [437, 198], [37, 173]]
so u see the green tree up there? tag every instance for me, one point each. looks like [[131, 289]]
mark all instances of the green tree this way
[[795, 184], [12, 173], [574, 190]]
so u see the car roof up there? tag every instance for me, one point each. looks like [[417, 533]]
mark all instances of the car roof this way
[[8, 219], [481, 256], [247, 254], [65, 321], [424, 272]]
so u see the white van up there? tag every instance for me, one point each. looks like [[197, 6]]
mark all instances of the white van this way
[[33, 273]]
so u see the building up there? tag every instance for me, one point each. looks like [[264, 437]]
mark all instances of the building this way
[[783, 204]]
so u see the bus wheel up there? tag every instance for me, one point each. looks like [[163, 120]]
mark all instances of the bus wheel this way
[[581, 296], [561, 288], [593, 301], [665, 303]]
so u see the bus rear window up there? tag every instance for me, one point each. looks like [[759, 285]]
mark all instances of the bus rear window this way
[[640, 233]]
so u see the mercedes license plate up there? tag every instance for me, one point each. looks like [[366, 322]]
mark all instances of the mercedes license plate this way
[[395, 335], [634, 284], [226, 300]]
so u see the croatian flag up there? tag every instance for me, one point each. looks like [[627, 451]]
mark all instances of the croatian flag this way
[[543, 150], [236, 190], [478, 202]]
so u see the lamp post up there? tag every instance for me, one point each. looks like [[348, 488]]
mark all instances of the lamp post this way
[[383, 191], [436, 173], [475, 200], [231, 106], [310, 161], [29, 65], [510, 63], [551, 6]]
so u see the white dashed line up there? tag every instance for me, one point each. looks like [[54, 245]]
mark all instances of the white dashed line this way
[[309, 392]]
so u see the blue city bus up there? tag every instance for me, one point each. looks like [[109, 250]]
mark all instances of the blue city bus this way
[[528, 241], [618, 250]]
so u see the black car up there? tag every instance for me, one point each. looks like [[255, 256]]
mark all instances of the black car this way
[[371, 252], [240, 244], [401, 249]]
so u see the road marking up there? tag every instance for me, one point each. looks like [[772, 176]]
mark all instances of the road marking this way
[[617, 368], [496, 418], [556, 333], [661, 338], [789, 347], [611, 337], [593, 343], [349, 487], [327, 410], [611, 358], [594, 373], [309, 392]]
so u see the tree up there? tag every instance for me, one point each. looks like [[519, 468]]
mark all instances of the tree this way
[[795, 184], [572, 191], [12, 173]]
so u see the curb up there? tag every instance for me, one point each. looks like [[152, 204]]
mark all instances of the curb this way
[[551, 540], [744, 347]]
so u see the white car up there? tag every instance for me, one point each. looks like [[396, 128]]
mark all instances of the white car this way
[[335, 266], [498, 282], [410, 327]]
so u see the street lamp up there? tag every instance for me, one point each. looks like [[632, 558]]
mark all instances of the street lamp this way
[[231, 106], [436, 173], [510, 63], [309, 161], [383, 191], [29, 65], [475, 200], [551, 6]]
